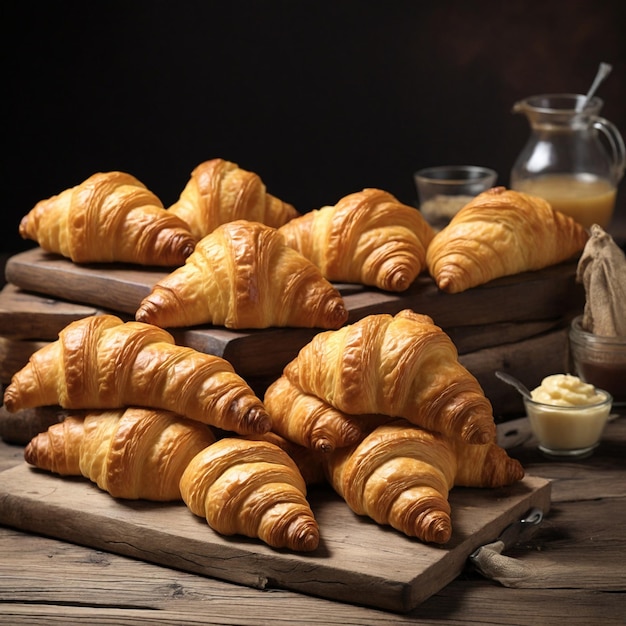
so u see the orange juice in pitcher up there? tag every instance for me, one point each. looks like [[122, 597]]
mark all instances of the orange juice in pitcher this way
[[588, 199], [573, 158]]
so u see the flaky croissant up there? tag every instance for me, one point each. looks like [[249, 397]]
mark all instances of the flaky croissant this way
[[243, 275], [307, 420], [399, 476], [399, 366], [130, 453], [102, 362], [368, 237], [499, 233], [109, 217], [219, 191], [251, 488]]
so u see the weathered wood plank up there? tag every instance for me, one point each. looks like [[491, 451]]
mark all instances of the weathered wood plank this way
[[406, 572], [26, 315], [457, 606], [19, 428], [98, 582], [532, 296], [14, 354], [578, 551]]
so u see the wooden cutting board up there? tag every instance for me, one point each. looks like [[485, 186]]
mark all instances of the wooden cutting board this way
[[358, 561]]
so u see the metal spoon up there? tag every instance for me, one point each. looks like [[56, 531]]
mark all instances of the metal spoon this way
[[603, 71], [514, 382]]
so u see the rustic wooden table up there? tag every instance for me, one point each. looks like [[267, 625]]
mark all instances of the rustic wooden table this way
[[578, 555]]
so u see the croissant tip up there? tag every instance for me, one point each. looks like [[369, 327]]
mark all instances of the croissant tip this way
[[399, 281], [445, 284], [310, 542], [259, 421], [29, 453], [142, 315], [23, 228], [306, 537], [440, 532], [147, 313], [324, 446], [188, 248], [337, 315], [10, 400]]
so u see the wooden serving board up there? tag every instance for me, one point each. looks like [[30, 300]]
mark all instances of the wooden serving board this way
[[358, 561]]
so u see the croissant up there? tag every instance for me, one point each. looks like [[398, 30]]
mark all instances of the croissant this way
[[219, 191], [307, 420], [368, 237], [399, 476], [499, 233], [102, 362], [399, 366], [130, 453], [243, 275], [109, 217], [251, 488]]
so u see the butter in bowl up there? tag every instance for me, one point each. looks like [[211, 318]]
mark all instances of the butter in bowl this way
[[567, 416]]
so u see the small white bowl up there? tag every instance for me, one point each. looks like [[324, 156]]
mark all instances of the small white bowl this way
[[568, 431]]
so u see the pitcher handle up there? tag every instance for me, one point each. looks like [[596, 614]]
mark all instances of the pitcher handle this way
[[616, 143]]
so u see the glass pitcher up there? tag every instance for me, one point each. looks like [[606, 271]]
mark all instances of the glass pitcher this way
[[574, 158]]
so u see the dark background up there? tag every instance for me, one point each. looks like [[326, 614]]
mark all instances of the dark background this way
[[320, 98]]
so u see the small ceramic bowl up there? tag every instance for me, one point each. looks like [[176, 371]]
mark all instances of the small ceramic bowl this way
[[599, 360], [569, 431], [444, 190]]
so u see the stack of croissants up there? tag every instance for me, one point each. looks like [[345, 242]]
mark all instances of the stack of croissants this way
[[380, 409]]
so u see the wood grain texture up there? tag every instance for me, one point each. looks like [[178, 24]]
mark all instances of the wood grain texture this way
[[501, 325], [14, 354], [577, 552], [547, 294], [25, 315], [19, 428], [358, 561]]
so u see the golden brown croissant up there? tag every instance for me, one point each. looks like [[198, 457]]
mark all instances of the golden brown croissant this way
[[368, 237], [243, 275], [499, 233], [110, 217], [252, 488], [130, 453], [219, 191], [400, 366], [102, 362], [399, 475], [307, 420]]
